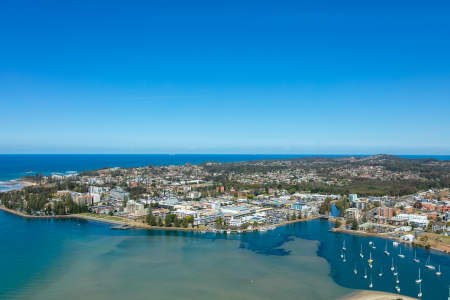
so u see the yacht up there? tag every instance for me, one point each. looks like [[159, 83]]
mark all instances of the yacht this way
[[385, 250], [400, 254], [420, 291], [370, 258], [415, 257], [419, 280], [438, 273], [429, 265]]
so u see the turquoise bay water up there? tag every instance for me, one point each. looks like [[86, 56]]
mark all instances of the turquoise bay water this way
[[75, 259]]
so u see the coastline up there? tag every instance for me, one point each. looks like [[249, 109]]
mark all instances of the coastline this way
[[440, 247], [139, 225], [130, 223], [375, 295]]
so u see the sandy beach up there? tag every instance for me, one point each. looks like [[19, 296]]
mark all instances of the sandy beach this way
[[374, 295]]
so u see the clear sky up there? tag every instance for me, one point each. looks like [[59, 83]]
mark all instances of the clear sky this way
[[225, 76]]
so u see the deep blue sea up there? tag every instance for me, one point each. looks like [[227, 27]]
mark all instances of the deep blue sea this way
[[14, 166], [78, 259]]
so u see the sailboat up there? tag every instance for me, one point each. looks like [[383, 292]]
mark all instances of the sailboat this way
[[343, 246], [396, 280], [370, 258], [397, 288], [365, 273], [415, 257], [344, 260], [392, 268], [385, 250], [419, 280], [400, 254], [438, 273], [355, 270], [395, 272], [428, 265], [420, 291], [371, 284], [381, 272], [342, 254], [361, 252]]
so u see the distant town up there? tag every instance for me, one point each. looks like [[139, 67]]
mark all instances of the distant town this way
[[396, 198]]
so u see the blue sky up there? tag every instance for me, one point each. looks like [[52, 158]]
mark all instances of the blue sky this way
[[225, 77]]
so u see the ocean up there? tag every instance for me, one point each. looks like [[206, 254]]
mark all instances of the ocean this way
[[79, 259]]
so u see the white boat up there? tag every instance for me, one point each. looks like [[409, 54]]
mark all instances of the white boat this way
[[420, 291], [400, 254], [371, 284], [344, 260], [396, 280], [395, 272], [361, 252], [342, 254], [392, 268], [397, 288], [438, 273], [355, 270], [365, 273], [385, 250], [262, 229], [343, 246], [419, 280], [381, 272], [415, 257], [428, 265], [395, 244], [370, 242]]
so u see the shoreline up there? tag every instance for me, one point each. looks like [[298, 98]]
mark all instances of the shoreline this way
[[133, 224], [441, 248], [374, 295]]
